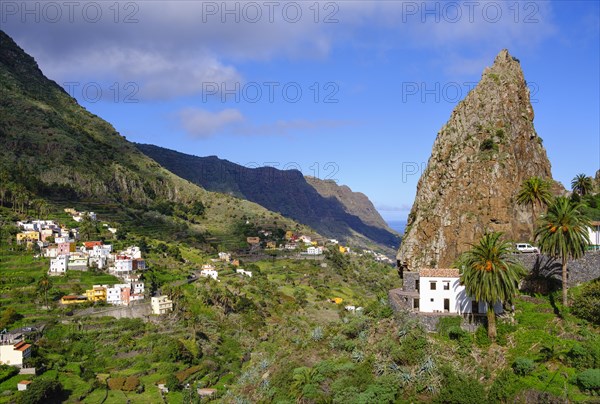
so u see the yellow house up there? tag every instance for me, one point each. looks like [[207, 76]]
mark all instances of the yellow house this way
[[71, 299], [271, 245], [28, 236], [289, 234], [337, 300], [71, 211], [342, 249], [314, 243], [96, 294]]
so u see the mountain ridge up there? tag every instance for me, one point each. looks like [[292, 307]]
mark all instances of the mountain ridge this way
[[283, 191]]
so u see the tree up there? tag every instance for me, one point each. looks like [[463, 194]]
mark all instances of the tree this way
[[490, 274], [88, 227], [563, 234], [43, 391], [582, 184], [44, 285], [534, 191]]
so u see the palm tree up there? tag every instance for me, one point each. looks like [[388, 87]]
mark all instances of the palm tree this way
[[44, 285], [534, 191], [563, 234], [582, 184], [490, 274], [4, 186]]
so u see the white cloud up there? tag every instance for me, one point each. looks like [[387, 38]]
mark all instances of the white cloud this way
[[170, 47], [200, 123]]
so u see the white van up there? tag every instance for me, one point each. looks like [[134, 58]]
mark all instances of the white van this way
[[527, 248]]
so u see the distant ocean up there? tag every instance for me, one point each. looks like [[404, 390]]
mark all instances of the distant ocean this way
[[397, 225]]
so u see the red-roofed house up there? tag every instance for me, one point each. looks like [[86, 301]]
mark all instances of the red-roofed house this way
[[23, 384], [15, 354]]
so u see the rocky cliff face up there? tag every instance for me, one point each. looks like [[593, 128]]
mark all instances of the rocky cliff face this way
[[478, 162], [355, 203]]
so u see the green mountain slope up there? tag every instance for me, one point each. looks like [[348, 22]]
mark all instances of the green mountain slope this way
[[52, 148], [286, 192]]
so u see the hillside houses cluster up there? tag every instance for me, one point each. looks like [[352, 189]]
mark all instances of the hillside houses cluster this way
[[60, 244]]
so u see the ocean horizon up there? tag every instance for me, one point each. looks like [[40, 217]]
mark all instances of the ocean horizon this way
[[397, 225]]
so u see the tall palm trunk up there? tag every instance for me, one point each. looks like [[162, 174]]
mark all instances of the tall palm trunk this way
[[533, 221], [491, 318], [565, 286]]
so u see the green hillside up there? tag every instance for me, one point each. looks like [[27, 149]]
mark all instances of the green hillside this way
[[54, 149]]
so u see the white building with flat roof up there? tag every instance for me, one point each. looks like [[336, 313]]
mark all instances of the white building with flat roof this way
[[58, 265], [161, 305]]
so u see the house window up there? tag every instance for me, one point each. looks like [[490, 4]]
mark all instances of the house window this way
[[474, 307], [416, 304], [432, 285], [417, 285], [431, 300], [446, 285], [446, 305]]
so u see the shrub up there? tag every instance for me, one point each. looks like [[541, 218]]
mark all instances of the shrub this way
[[504, 387], [488, 144], [6, 372], [481, 337], [131, 384], [116, 383], [589, 380], [43, 391], [457, 333], [446, 323], [523, 366], [587, 304], [172, 383], [459, 388]]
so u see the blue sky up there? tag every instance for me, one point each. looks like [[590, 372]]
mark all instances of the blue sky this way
[[377, 79]]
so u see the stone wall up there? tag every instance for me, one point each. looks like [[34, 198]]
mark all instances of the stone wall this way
[[542, 267], [137, 310]]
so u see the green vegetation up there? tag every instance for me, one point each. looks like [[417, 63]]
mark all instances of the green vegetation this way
[[490, 274], [582, 184], [563, 233], [534, 191]]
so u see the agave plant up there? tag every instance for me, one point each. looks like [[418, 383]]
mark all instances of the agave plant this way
[[317, 334], [358, 356]]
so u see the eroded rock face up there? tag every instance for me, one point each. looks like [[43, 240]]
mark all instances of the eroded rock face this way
[[479, 160]]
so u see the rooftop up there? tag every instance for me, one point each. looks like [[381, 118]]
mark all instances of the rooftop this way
[[439, 272]]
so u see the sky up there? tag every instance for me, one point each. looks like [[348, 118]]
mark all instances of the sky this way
[[353, 91]]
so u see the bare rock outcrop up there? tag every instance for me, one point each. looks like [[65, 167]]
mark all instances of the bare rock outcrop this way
[[479, 160]]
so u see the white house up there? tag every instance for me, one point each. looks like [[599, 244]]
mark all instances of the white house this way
[[98, 262], [223, 256], [133, 252], [305, 239], [58, 265], [51, 251], [244, 272], [594, 234], [100, 251], [77, 262], [14, 353], [209, 273], [137, 288], [161, 305], [440, 291], [118, 294], [314, 250], [23, 385], [123, 265]]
